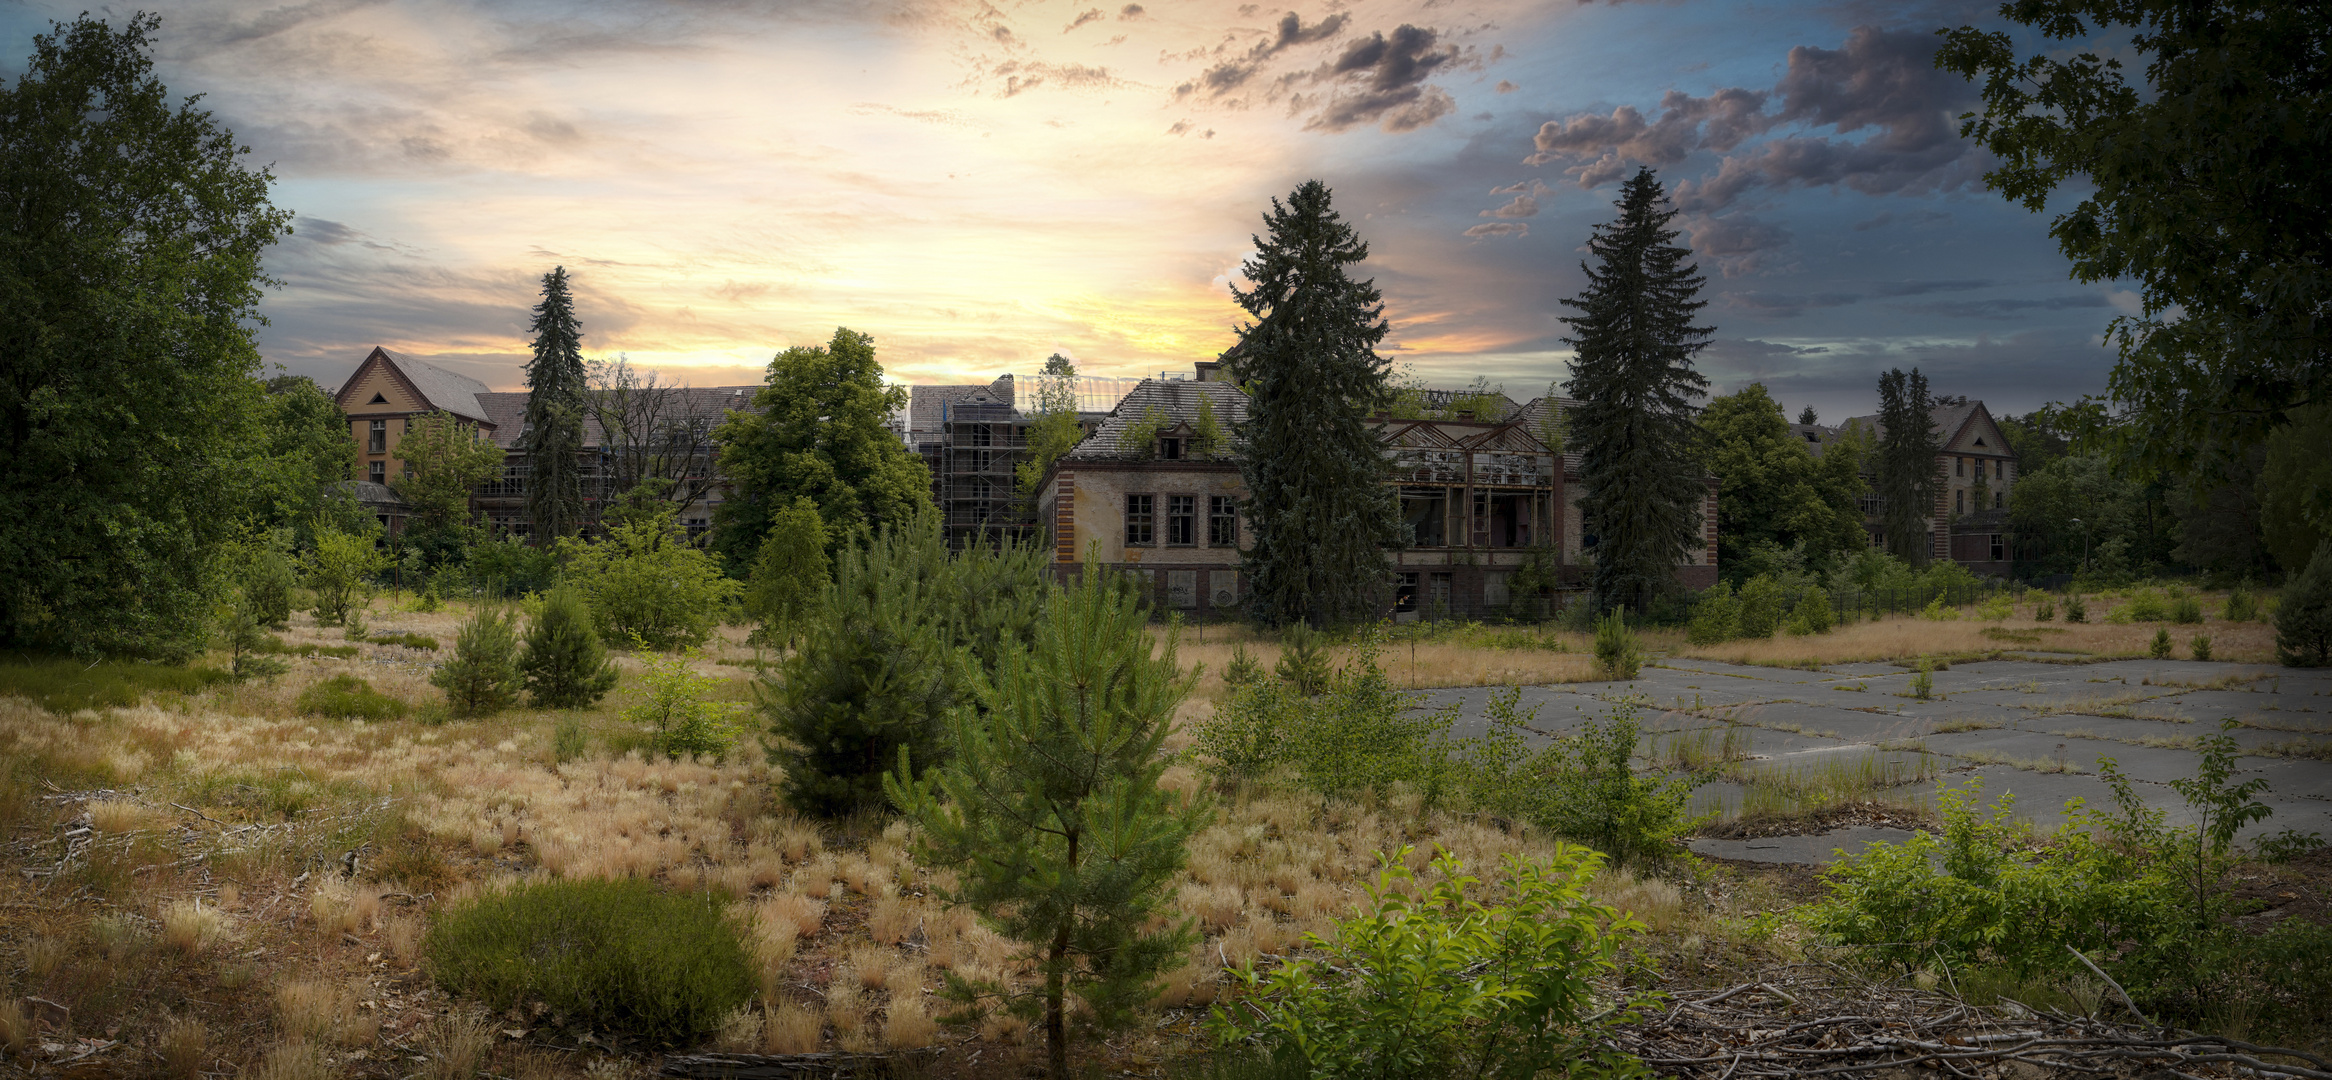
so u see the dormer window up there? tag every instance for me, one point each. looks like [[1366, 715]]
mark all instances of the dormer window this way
[[1813, 438], [1170, 449]]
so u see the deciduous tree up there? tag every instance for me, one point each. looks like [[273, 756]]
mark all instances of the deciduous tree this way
[[1055, 431], [1633, 375], [790, 576], [1774, 490], [555, 404], [445, 460], [1319, 511]]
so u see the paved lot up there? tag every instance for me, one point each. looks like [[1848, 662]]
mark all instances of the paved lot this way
[[2032, 730]]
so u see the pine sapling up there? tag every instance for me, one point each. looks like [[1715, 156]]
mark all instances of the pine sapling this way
[[482, 678], [565, 665], [2160, 647]]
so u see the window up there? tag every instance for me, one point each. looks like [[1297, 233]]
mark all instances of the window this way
[[1999, 500], [1959, 466], [1959, 501], [377, 472], [1182, 520], [1139, 519], [1999, 550], [1170, 449], [1999, 470], [379, 442], [1222, 521]]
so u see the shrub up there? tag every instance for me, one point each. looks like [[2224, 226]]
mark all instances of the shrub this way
[[1303, 659], [1937, 611], [674, 702], [2185, 610], [1923, 683], [2075, 610], [790, 575], [339, 568], [1760, 611], [1813, 614], [267, 583], [349, 698], [1716, 617], [409, 640], [2201, 646], [2146, 605], [1996, 609], [621, 956], [482, 678], [1447, 984], [2242, 605], [644, 580], [2044, 611], [2160, 647], [1580, 786], [1242, 668], [2303, 619], [1616, 653], [564, 664], [1246, 735], [1357, 735]]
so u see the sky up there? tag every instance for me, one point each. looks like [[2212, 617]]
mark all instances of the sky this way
[[981, 184]]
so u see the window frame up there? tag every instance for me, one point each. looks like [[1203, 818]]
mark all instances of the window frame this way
[[1145, 518], [1181, 528], [377, 437], [1222, 521]]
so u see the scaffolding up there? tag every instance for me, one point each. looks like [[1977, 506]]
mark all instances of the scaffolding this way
[[973, 466]]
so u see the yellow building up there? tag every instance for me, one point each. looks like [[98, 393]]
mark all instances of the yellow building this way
[[382, 399]]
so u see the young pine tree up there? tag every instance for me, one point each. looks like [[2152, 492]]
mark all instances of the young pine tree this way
[[1907, 479], [1052, 814], [553, 437], [564, 663], [1320, 513], [2303, 621], [482, 678], [872, 674], [790, 575], [1634, 379]]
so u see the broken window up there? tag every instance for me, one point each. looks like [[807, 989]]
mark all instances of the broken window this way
[[1425, 509], [1181, 520], [379, 441], [1222, 521]]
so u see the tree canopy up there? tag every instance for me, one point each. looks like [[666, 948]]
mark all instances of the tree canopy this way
[[1318, 509], [1774, 491], [130, 276], [1633, 375], [819, 427], [1907, 475]]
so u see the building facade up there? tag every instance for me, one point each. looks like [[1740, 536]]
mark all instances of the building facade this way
[[1975, 468]]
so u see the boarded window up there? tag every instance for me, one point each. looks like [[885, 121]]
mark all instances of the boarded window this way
[[1182, 588], [1223, 588]]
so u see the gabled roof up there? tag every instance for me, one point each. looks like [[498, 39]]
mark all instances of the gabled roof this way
[[1946, 421], [1177, 400], [436, 387], [927, 405], [507, 411]]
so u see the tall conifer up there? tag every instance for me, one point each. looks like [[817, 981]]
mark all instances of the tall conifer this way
[[553, 439], [1633, 376], [1907, 478], [1320, 512]]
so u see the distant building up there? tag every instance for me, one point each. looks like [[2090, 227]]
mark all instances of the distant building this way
[[1969, 522]]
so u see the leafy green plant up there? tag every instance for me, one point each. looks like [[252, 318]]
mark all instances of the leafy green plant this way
[[2159, 648], [1759, 614], [1813, 614], [676, 703], [644, 580], [1581, 786], [1716, 617], [2242, 605], [267, 584], [563, 662], [1303, 658], [482, 678], [790, 575], [337, 569], [2303, 617], [1923, 683], [243, 633], [1938, 611], [621, 956], [2075, 610], [1996, 609], [1448, 984], [2201, 646], [1617, 655], [2146, 605], [349, 698]]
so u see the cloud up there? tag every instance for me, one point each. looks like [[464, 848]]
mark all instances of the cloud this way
[[1922, 288], [1021, 76], [1786, 305], [1522, 206], [1290, 32], [1506, 87], [1716, 122], [1384, 78], [1083, 17], [1911, 217], [2009, 308], [1130, 11], [1499, 228]]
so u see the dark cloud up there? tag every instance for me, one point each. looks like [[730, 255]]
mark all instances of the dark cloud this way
[[1922, 288], [1130, 11], [1506, 87], [1786, 305], [1499, 228], [1291, 32], [1740, 245], [1716, 122], [1383, 78], [2008, 308], [327, 233], [1083, 17]]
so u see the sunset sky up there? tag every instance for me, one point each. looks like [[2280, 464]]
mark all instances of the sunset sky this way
[[979, 185]]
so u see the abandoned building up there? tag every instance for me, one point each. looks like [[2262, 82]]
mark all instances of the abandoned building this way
[[1969, 522]]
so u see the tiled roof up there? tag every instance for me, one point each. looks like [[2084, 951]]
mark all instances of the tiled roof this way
[[1177, 400], [442, 389], [507, 410], [1944, 420], [372, 494], [927, 405]]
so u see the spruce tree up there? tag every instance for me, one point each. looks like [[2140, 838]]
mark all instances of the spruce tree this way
[[482, 678], [553, 438], [872, 675], [790, 576], [1633, 376], [565, 665], [1907, 478], [1320, 511], [1052, 815]]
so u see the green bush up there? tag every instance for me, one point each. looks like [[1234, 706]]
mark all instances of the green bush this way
[[1448, 984], [1617, 656], [1303, 658], [65, 685], [2075, 610], [1760, 612], [482, 678], [409, 640], [675, 701], [1358, 735], [2242, 605], [339, 568], [1716, 617], [1923, 683], [2159, 648], [2201, 646], [1581, 786], [618, 956], [349, 698], [564, 663], [2044, 611], [790, 575], [2146, 605], [1813, 614], [2303, 618], [645, 581], [267, 584], [2185, 610]]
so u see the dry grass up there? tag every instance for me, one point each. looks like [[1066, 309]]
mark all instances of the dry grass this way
[[461, 1039], [906, 1024], [1905, 637], [1421, 665], [15, 1026], [182, 1048], [294, 1059], [790, 1029], [192, 928], [317, 1010]]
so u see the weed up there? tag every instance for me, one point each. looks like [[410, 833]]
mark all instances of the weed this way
[[675, 701], [1923, 683], [1949, 727], [192, 928], [461, 1039], [347, 697], [1830, 780], [423, 642], [1617, 654], [1702, 749], [2038, 765]]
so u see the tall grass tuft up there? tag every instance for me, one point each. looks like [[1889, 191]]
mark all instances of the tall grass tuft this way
[[1834, 780], [1617, 654]]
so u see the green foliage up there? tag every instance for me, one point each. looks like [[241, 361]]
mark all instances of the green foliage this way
[[1937, 611], [1242, 667], [564, 663], [1582, 786], [1303, 659], [245, 638], [1051, 811], [676, 702], [503, 566], [2295, 487], [2075, 610], [1141, 436], [2046, 610], [1716, 616], [133, 429], [819, 428], [2242, 605], [267, 584], [790, 576], [1320, 515], [644, 581], [1923, 683], [2159, 648], [2146, 605], [408, 640], [1760, 612], [64, 685], [1775, 490], [339, 567], [2303, 617], [482, 678], [446, 459], [1055, 430], [1904, 476], [1640, 472], [2188, 181], [619, 956], [308, 457], [1448, 984], [873, 675], [347, 697], [1617, 655], [2201, 646], [1996, 609], [568, 740], [1209, 438], [1359, 736], [1813, 614], [552, 436]]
